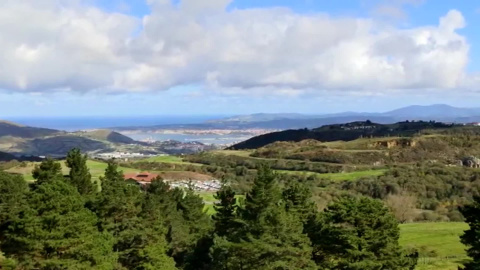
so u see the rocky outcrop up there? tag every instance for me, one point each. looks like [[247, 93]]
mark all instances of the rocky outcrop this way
[[393, 143], [471, 162]]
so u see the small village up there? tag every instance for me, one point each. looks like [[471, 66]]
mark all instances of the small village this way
[[146, 178]]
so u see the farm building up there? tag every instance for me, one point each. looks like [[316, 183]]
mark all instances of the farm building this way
[[142, 178]]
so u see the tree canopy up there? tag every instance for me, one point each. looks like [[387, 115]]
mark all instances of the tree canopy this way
[[66, 222]]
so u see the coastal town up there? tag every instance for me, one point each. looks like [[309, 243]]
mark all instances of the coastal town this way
[[145, 178]]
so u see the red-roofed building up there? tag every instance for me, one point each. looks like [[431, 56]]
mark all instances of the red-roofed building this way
[[142, 178]]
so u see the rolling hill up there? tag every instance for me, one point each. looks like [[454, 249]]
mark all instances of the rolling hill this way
[[16, 130], [19, 140], [105, 135], [6, 156], [342, 132]]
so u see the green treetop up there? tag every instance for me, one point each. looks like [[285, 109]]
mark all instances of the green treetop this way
[[357, 234], [47, 170], [79, 175], [58, 232]]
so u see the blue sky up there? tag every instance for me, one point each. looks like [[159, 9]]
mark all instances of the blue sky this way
[[127, 57]]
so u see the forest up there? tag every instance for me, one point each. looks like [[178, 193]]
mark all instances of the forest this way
[[281, 221], [69, 222]]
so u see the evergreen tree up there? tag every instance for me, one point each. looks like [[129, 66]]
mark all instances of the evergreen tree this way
[[192, 226], [57, 232], [297, 197], [112, 173], [139, 239], [48, 170], [13, 200], [272, 238], [226, 216], [182, 214], [357, 234], [13, 194], [471, 237], [264, 194], [118, 207], [79, 175], [6, 263]]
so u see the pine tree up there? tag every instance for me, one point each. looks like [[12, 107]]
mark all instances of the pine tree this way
[[13, 194], [7, 263], [48, 170], [139, 239], [112, 173], [193, 225], [79, 175], [359, 233], [264, 195], [118, 207], [471, 237], [57, 232], [297, 197], [272, 238], [13, 200], [188, 227], [226, 217]]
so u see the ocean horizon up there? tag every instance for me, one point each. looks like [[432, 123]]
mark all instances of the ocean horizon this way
[[100, 122]]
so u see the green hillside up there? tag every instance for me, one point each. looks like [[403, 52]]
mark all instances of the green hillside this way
[[6, 156], [16, 130], [106, 135], [349, 132], [438, 243], [22, 140]]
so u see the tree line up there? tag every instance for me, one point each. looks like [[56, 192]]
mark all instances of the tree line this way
[[71, 222]]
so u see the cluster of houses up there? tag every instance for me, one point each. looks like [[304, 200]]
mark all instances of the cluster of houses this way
[[145, 178], [209, 185], [122, 155]]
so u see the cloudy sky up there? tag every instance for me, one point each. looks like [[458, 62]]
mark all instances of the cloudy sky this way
[[157, 57]]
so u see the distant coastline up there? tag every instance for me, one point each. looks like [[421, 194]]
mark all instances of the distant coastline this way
[[101, 122]]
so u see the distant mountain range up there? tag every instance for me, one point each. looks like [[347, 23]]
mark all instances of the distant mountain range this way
[[281, 121], [438, 112]]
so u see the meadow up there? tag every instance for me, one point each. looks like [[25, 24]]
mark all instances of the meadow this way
[[97, 169], [347, 176], [438, 243], [168, 159]]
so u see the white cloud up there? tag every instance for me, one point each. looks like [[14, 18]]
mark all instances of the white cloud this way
[[393, 9], [46, 45]]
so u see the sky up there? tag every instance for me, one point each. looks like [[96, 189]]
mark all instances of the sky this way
[[63, 58]]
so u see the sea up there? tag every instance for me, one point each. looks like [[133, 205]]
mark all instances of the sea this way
[[100, 122]]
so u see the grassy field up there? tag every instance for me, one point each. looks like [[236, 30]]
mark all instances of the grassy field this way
[[339, 176], [168, 159], [352, 175], [240, 153], [209, 199], [438, 243], [97, 169]]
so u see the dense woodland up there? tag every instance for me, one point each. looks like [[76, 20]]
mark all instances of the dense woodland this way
[[283, 221], [67, 222]]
